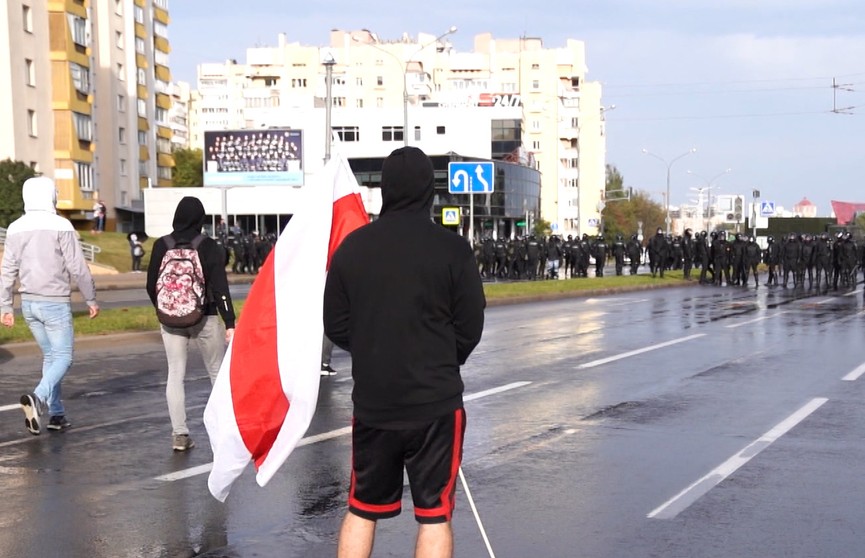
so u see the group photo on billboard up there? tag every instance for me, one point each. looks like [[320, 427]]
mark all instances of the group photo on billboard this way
[[253, 157]]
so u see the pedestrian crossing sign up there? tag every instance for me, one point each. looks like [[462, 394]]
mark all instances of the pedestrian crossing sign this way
[[450, 216], [767, 209]]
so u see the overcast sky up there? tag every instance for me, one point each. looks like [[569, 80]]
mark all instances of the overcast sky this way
[[746, 82]]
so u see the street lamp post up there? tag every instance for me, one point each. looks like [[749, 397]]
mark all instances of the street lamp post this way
[[708, 188], [669, 166], [404, 66], [329, 63]]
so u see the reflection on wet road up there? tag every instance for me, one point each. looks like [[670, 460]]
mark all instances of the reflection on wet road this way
[[696, 421]]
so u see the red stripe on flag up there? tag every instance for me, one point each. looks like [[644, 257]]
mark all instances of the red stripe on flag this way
[[260, 405], [348, 214]]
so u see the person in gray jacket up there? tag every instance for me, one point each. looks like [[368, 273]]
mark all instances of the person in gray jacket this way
[[43, 254]]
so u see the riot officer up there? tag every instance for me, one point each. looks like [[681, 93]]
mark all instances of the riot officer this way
[[772, 257], [752, 260], [635, 253], [619, 253], [791, 255], [687, 253], [659, 252], [599, 251], [701, 249]]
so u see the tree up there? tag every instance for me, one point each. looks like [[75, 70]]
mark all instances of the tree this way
[[12, 177], [188, 167], [621, 215]]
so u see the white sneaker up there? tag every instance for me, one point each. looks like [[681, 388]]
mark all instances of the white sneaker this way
[[30, 404]]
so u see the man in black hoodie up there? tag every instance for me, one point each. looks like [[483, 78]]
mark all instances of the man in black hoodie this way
[[404, 296], [207, 333]]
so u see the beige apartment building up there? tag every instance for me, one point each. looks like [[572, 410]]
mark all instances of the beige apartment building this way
[[84, 87], [534, 104]]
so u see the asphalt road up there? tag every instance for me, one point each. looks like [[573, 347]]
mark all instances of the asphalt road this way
[[686, 422]]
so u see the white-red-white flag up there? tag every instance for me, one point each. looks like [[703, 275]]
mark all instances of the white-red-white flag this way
[[266, 391]]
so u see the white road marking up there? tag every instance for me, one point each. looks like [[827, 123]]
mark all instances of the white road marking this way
[[855, 373], [15, 407], [345, 431], [851, 293], [825, 300], [760, 319], [635, 352], [675, 505]]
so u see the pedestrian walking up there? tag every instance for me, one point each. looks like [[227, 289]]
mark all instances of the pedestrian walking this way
[[44, 255], [137, 250], [99, 211], [187, 284], [404, 296]]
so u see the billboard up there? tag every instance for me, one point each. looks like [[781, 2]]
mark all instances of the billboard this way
[[271, 157]]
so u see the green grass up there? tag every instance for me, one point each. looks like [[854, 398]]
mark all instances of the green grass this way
[[143, 318], [115, 249]]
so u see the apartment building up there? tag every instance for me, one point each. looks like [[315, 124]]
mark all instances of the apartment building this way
[[512, 100], [85, 90]]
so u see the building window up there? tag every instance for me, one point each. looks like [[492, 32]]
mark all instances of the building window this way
[[440, 130], [536, 66], [347, 133], [143, 171], [339, 101], [161, 115], [79, 30], [391, 133], [123, 169], [83, 126], [575, 122], [80, 78], [140, 45], [139, 15], [118, 7], [121, 75], [417, 133], [298, 82], [160, 29], [142, 137], [379, 102], [536, 145], [118, 39], [536, 84], [27, 16], [358, 81], [121, 103], [31, 123], [161, 4], [160, 58], [359, 103], [379, 80], [30, 72], [163, 173], [142, 108], [142, 77], [85, 176], [121, 136]]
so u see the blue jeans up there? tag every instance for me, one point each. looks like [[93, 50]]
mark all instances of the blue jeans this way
[[51, 325]]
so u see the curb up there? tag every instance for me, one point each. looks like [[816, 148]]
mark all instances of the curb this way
[[30, 348]]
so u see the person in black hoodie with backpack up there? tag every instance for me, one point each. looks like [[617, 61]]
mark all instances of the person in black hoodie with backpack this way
[[403, 295], [201, 324]]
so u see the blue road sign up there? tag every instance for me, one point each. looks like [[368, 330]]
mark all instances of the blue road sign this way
[[470, 178], [767, 209]]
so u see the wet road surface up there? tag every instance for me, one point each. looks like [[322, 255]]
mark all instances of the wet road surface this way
[[692, 422]]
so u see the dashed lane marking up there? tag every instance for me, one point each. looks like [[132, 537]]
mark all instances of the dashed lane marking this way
[[635, 352], [681, 501], [855, 373], [755, 320], [345, 431]]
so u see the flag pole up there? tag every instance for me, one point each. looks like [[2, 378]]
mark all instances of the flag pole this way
[[475, 511]]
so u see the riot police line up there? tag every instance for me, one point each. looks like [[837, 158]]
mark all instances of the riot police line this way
[[245, 252], [717, 258]]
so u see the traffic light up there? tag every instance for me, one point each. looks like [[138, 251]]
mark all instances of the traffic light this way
[[737, 210]]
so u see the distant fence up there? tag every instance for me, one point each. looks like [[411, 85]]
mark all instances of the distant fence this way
[[90, 250]]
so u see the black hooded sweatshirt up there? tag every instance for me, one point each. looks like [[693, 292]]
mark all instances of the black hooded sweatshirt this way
[[404, 296], [188, 220]]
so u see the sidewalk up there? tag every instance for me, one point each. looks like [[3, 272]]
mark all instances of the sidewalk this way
[[129, 280]]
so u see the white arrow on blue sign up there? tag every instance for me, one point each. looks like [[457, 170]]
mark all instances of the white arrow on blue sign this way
[[767, 209], [470, 178]]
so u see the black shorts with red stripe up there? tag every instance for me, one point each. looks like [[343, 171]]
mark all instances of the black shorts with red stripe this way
[[431, 455]]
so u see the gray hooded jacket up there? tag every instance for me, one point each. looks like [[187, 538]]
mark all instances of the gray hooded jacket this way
[[42, 252]]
